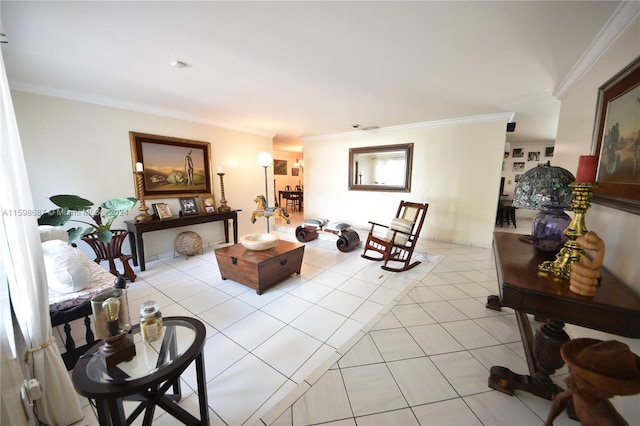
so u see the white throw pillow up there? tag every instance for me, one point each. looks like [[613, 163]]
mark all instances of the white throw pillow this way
[[399, 224], [48, 232], [68, 269]]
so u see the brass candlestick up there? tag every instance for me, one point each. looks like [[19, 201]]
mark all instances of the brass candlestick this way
[[571, 251], [223, 206], [144, 215]]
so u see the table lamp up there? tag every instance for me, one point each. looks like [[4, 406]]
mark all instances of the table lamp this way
[[111, 316], [546, 188]]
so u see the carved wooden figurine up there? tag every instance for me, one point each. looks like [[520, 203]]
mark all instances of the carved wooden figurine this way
[[585, 275], [599, 370]]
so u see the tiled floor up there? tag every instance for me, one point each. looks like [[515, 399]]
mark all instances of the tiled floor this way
[[346, 342]]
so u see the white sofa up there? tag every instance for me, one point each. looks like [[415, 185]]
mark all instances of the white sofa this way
[[73, 279]]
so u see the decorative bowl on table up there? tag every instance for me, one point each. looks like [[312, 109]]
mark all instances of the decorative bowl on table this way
[[259, 241]]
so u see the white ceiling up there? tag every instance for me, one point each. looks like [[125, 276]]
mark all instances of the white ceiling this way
[[297, 69]]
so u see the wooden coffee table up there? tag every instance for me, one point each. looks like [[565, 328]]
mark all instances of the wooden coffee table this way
[[260, 269]]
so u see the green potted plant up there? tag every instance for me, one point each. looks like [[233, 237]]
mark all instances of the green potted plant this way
[[103, 217]]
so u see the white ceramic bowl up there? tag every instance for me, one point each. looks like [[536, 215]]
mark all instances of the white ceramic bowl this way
[[259, 241]]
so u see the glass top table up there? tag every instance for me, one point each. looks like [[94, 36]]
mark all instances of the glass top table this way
[[147, 377]]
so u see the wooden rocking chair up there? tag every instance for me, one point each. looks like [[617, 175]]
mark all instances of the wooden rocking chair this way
[[400, 239]]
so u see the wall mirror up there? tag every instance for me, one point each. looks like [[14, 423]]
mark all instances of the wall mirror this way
[[381, 168]]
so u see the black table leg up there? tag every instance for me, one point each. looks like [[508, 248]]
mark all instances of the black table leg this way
[[226, 231], [132, 245], [140, 243], [543, 359], [202, 390], [235, 230]]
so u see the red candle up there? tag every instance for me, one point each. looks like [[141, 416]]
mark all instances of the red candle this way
[[587, 168]]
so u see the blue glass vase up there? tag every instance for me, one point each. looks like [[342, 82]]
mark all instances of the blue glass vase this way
[[548, 228]]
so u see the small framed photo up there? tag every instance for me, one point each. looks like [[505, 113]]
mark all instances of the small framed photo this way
[[295, 171], [208, 204], [189, 205], [533, 156], [162, 210], [548, 151], [518, 152], [519, 165]]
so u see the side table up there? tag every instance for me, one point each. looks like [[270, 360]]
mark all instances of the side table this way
[[614, 309], [155, 369]]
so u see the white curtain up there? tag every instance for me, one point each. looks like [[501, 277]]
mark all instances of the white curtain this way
[[24, 267]]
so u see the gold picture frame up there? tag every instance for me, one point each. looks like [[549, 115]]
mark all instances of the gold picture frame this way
[[172, 167]]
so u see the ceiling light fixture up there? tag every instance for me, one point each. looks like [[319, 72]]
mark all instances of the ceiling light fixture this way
[[178, 64]]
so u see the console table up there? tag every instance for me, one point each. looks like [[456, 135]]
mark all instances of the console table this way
[[613, 309], [136, 229]]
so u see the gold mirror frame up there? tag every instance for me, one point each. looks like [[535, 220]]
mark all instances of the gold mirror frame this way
[[358, 157]]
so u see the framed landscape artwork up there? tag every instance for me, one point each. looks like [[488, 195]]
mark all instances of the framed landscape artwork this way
[[617, 141], [172, 167]]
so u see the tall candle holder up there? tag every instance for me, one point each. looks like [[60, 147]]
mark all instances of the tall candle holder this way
[[144, 215], [223, 202], [571, 251]]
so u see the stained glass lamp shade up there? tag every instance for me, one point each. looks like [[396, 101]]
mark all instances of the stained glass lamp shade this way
[[546, 188]]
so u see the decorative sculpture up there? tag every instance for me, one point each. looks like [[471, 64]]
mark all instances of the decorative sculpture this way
[[262, 210], [585, 273], [599, 370]]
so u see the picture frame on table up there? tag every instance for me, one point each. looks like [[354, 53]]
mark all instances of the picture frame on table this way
[[617, 141], [209, 204], [172, 167], [189, 205], [162, 210]]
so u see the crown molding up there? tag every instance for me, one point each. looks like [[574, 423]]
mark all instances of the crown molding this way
[[502, 116], [622, 17], [130, 106]]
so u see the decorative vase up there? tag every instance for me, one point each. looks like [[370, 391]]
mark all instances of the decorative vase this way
[[548, 228]]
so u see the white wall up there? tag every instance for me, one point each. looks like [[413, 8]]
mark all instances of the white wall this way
[[84, 149], [456, 169], [619, 230]]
